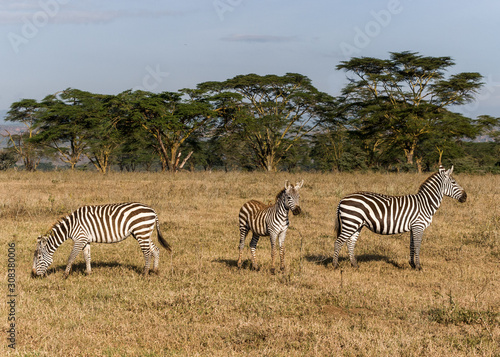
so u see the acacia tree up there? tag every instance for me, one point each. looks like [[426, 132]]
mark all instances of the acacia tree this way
[[170, 118], [27, 112], [396, 102], [77, 123], [60, 128], [269, 113]]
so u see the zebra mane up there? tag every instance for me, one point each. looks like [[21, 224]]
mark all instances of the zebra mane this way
[[281, 193], [55, 224], [426, 182]]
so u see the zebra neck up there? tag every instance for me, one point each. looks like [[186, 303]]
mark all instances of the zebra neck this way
[[59, 234], [280, 208], [53, 243], [431, 195]]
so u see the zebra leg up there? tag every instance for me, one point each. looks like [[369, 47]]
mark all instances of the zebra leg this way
[[145, 244], [350, 237], [273, 251], [351, 243], [412, 251], [156, 257], [281, 240], [77, 248], [86, 255], [253, 246], [416, 235], [243, 233]]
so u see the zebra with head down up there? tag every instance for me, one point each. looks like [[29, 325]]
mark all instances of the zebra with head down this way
[[100, 224], [394, 214]]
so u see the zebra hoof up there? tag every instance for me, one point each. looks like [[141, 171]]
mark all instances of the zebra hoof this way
[[255, 267], [273, 271]]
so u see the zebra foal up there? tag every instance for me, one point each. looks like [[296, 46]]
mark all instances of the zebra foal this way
[[110, 223], [394, 214], [269, 220]]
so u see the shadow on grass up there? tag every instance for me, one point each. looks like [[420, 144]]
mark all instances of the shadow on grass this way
[[328, 261], [80, 268]]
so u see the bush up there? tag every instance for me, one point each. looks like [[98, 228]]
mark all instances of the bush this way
[[7, 160]]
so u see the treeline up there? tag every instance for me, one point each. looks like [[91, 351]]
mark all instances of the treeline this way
[[394, 114]]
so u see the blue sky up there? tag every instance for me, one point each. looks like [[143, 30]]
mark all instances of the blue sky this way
[[111, 46]]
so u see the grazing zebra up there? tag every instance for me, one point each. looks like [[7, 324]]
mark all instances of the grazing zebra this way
[[100, 224], [269, 220], [394, 214]]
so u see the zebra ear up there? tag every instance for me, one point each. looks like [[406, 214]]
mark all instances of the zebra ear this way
[[41, 240], [450, 170], [288, 185], [441, 169], [299, 184]]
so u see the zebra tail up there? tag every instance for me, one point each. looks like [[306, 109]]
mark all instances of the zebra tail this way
[[338, 226], [162, 240]]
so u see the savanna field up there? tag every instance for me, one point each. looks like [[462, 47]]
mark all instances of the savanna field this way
[[201, 304]]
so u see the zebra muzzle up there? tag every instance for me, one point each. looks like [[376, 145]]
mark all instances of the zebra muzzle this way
[[296, 210], [463, 198]]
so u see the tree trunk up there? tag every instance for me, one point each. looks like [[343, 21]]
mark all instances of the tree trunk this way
[[409, 156], [270, 164], [419, 164], [410, 152]]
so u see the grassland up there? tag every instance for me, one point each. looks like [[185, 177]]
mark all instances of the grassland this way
[[202, 305]]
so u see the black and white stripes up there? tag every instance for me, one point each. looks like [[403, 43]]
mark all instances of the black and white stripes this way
[[101, 224], [270, 221], [394, 214]]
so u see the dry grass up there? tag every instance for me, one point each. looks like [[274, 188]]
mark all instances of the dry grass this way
[[202, 305]]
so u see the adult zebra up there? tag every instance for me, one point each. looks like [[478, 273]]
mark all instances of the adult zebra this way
[[101, 224], [394, 214], [269, 220]]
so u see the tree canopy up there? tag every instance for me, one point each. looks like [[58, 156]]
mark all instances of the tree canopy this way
[[393, 114], [396, 102]]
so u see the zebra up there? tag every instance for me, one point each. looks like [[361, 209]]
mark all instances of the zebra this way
[[269, 220], [109, 223], [384, 214]]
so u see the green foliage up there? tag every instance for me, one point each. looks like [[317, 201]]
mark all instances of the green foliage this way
[[270, 114], [27, 112], [169, 120], [7, 159], [393, 115], [400, 101]]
